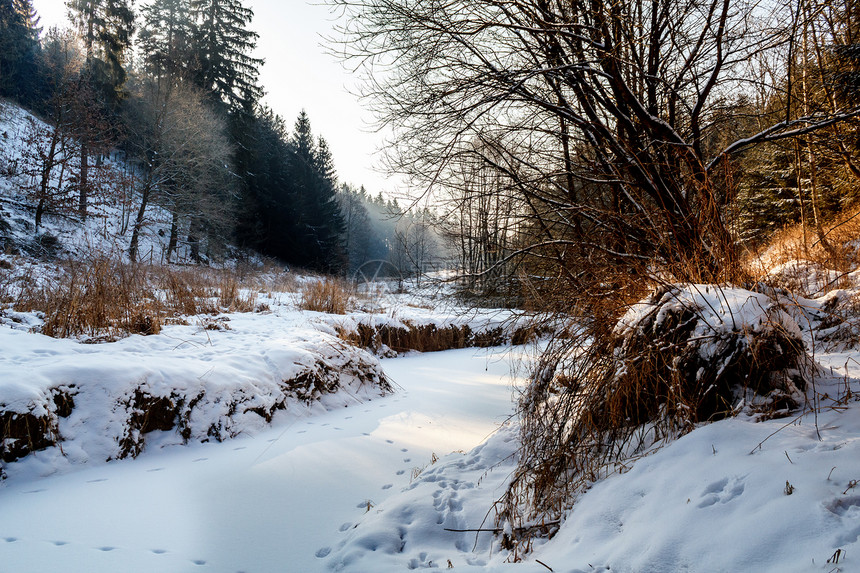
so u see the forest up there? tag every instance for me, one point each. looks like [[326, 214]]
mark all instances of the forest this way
[[172, 88]]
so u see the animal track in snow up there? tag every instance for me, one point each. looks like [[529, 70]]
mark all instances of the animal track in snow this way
[[401, 472], [722, 491], [106, 548], [388, 486], [323, 552]]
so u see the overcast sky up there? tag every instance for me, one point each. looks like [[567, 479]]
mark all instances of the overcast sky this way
[[299, 75]]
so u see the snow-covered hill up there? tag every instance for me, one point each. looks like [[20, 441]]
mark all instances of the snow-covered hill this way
[[24, 143]]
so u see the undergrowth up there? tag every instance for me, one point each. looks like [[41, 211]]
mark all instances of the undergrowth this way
[[328, 295], [599, 398], [102, 299]]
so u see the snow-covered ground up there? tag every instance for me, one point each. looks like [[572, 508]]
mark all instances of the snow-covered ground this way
[[282, 500], [338, 491]]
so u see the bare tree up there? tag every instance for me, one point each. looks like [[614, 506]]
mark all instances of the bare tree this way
[[602, 116], [183, 153]]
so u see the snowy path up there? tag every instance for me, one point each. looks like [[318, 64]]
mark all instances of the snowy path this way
[[275, 502]]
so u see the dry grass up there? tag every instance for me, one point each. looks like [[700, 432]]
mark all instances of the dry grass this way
[[598, 400], [328, 295], [102, 299], [833, 258]]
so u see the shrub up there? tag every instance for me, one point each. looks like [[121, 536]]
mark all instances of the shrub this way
[[683, 356], [328, 295]]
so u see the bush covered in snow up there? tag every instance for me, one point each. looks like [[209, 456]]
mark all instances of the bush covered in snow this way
[[685, 355]]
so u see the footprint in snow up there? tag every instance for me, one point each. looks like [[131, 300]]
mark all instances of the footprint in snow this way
[[198, 562], [106, 548], [324, 425], [99, 480], [345, 526], [240, 448], [155, 470], [390, 441], [10, 539], [159, 551], [301, 432], [365, 434], [348, 418], [60, 543], [404, 450], [323, 552], [35, 491], [387, 486], [200, 460], [401, 472], [407, 460], [276, 439]]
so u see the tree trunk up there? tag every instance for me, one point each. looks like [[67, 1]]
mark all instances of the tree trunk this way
[[138, 223], [174, 235], [83, 179]]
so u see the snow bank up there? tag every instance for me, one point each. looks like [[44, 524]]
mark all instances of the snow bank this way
[[98, 402]]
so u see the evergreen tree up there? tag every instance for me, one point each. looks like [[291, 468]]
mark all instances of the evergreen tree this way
[[320, 224], [19, 47], [106, 27], [165, 38], [267, 205], [221, 47]]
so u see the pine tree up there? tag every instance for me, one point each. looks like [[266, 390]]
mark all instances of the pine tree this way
[[19, 47], [222, 44], [320, 224], [165, 38]]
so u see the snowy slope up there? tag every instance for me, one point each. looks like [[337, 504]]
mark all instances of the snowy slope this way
[[107, 229]]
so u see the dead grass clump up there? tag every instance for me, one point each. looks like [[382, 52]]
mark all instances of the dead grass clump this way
[[184, 291], [382, 339], [231, 299], [95, 298], [329, 295], [672, 362]]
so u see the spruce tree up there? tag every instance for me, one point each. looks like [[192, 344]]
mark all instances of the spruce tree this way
[[19, 46], [165, 38], [222, 46], [319, 222]]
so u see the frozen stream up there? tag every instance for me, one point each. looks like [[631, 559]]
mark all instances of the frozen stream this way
[[260, 504]]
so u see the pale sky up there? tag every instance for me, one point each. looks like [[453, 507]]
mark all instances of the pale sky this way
[[298, 74]]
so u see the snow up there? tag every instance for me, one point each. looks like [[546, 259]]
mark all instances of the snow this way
[[271, 502]]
